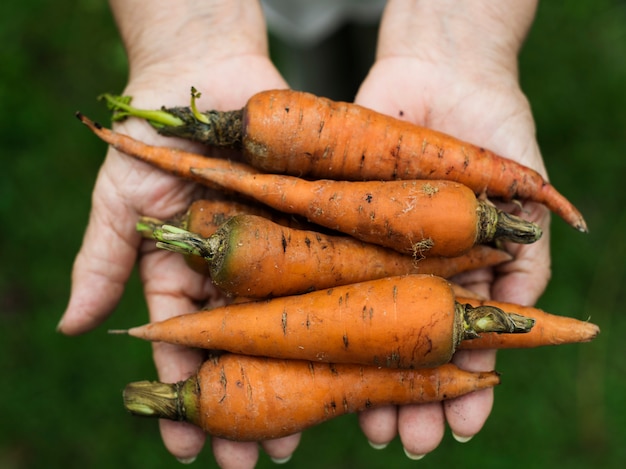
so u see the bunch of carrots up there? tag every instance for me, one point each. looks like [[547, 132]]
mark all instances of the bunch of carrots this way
[[336, 241]]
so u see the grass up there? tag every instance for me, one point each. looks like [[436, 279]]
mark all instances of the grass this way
[[61, 403]]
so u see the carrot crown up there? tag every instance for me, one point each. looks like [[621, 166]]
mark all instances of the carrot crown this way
[[486, 318], [174, 401], [218, 128]]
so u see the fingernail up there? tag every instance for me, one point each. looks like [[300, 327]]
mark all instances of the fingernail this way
[[377, 445], [413, 456], [281, 460], [462, 439], [186, 460], [59, 325]]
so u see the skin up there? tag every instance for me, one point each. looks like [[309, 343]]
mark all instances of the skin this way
[[438, 63], [441, 65]]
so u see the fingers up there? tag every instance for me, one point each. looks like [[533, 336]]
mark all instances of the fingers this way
[[242, 455], [175, 363], [379, 425], [235, 454], [280, 450], [467, 414], [170, 288], [421, 428], [524, 280], [104, 262], [183, 440]]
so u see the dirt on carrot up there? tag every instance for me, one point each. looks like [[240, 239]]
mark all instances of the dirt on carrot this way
[[395, 214], [408, 322], [252, 256], [301, 134], [246, 398]]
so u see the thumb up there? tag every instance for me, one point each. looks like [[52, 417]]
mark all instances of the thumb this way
[[104, 261]]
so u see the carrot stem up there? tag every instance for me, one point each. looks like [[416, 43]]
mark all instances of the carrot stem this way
[[219, 128], [182, 241], [120, 105], [176, 239], [148, 225], [195, 94], [154, 399], [492, 319]]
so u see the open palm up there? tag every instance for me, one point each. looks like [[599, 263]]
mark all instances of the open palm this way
[[126, 188], [491, 112]]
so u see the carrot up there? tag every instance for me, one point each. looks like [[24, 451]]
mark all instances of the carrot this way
[[549, 329], [254, 257], [442, 217], [205, 216], [297, 133], [253, 399], [174, 161], [411, 321]]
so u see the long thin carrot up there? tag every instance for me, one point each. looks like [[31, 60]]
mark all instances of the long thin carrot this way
[[301, 134], [253, 399], [174, 161], [549, 329], [254, 257], [408, 322], [439, 217]]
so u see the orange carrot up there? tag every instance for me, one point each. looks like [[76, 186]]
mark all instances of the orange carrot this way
[[253, 399], [438, 218], [254, 257], [549, 329], [411, 321], [301, 134], [442, 217], [205, 216], [174, 161]]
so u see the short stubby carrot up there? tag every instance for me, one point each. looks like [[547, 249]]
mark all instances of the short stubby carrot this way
[[436, 217], [298, 133], [245, 398], [254, 257], [410, 321], [205, 216], [549, 329]]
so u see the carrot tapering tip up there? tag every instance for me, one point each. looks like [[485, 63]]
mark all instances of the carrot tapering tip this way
[[589, 332], [88, 122], [558, 204]]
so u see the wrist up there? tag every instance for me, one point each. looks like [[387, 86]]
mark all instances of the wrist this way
[[188, 32], [474, 37]]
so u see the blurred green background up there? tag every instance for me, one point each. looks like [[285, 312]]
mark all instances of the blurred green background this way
[[60, 404]]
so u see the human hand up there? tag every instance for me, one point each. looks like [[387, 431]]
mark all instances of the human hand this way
[[223, 54], [467, 88]]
